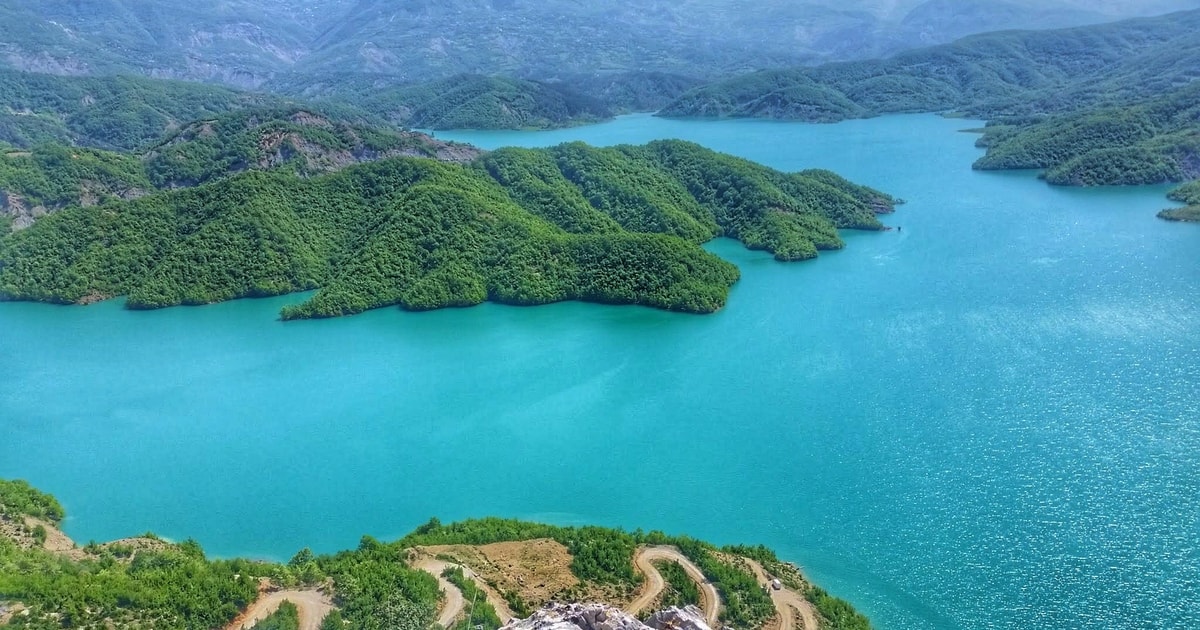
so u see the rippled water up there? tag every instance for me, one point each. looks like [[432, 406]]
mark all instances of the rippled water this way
[[988, 420]]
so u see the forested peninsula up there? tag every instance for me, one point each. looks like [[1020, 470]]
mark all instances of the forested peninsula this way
[[1187, 194], [618, 225], [47, 581]]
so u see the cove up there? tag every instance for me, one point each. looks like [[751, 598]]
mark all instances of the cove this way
[[990, 419]]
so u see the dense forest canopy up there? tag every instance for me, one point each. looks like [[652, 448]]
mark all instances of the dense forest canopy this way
[[1153, 141], [47, 177], [620, 225]]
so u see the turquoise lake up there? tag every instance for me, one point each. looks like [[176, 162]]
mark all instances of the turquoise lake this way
[[990, 419]]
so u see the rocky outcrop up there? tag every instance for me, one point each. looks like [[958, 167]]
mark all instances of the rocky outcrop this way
[[23, 214], [314, 143], [686, 618], [19, 211], [556, 616]]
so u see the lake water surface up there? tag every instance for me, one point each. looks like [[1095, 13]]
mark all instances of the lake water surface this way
[[988, 420]]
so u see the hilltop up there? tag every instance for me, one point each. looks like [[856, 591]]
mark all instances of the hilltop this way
[[481, 572]]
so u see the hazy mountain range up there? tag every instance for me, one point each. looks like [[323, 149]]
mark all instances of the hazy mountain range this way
[[248, 43]]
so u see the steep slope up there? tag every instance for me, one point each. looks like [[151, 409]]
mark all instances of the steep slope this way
[[1108, 104], [620, 225], [938, 21]]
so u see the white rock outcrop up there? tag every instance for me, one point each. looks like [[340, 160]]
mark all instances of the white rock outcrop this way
[[686, 618], [557, 616]]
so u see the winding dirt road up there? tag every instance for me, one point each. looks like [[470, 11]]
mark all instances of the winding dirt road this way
[[788, 603], [312, 605], [786, 600], [710, 600], [454, 597]]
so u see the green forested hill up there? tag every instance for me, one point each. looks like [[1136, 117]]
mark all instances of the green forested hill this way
[[620, 225], [50, 177], [47, 177], [1151, 142], [989, 75], [259, 139], [479, 102], [483, 102], [633, 91], [38, 180], [121, 113]]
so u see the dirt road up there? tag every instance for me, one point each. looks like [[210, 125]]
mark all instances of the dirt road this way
[[454, 597], [710, 600], [787, 600], [312, 605]]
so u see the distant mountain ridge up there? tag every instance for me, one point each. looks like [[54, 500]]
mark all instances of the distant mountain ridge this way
[[1096, 105], [247, 43], [993, 74]]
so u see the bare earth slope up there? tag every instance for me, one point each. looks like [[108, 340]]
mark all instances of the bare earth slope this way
[[454, 597]]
